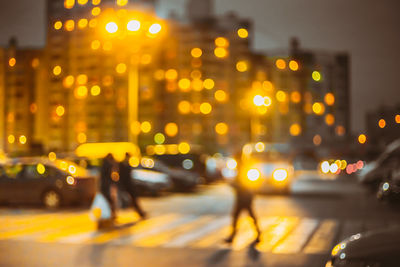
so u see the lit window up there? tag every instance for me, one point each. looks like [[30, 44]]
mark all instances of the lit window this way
[[57, 25], [196, 52], [316, 75], [69, 25], [280, 64], [57, 70], [242, 66], [60, 110], [221, 128], [12, 61], [205, 108], [293, 65], [81, 92], [243, 33], [221, 42], [329, 119], [11, 139], [397, 118], [68, 81]]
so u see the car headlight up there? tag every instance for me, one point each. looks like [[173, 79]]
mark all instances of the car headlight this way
[[253, 174], [70, 180], [385, 186], [280, 175]]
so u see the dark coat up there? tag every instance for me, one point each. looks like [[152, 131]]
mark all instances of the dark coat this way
[[125, 178], [105, 175]]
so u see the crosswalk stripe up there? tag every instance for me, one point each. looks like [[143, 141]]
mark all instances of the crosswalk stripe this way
[[323, 238], [277, 232], [164, 236], [246, 233], [182, 240], [297, 238], [212, 239]]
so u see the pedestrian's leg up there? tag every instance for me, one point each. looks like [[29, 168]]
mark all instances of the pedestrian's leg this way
[[253, 216], [235, 217], [136, 205], [107, 194]]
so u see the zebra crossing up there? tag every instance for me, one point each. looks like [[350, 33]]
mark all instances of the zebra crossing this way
[[280, 234]]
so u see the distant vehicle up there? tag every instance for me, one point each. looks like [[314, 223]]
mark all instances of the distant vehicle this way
[[389, 188], [380, 248], [267, 167], [34, 181], [150, 182], [374, 171]]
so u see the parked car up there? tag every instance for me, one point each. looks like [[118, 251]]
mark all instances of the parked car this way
[[379, 248], [50, 183], [267, 167], [149, 182], [374, 171]]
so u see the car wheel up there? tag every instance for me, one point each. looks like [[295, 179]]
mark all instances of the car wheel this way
[[51, 199]]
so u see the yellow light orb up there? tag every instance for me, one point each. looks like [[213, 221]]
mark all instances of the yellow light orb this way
[[145, 126], [221, 42], [155, 28], [184, 107], [220, 52], [82, 2], [81, 92], [209, 84], [295, 129], [122, 2], [96, 2], [242, 66], [95, 44], [133, 25], [267, 101], [22, 139], [197, 84], [318, 108], [40, 168], [267, 85], [57, 25], [68, 4], [329, 99], [81, 138], [316, 75], [184, 84], [382, 123], [221, 128], [120, 68], [12, 61], [69, 25], [171, 129], [362, 138], [397, 118], [184, 148], [243, 33], [317, 139], [196, 52], [171, 74], [82, 23], [11, 139], [280, 96], [220, 95], [57, 70], [205, 108], [111, 27], [295, 97], [293, 65], [159, 138], [96, 11], [340, 130], [93, 23], [60, 110], [82, 79], [95, 90], [329, 119], [52, 156], [280, 64]]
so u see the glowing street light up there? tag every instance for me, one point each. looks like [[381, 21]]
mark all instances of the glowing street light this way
[[155, 28], [111, 27], [133, 25]]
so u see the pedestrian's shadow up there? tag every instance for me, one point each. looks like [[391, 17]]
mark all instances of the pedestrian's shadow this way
[[253, 253], [218, 256]]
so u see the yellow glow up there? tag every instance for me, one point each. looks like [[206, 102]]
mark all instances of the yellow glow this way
[[260, 147], [184, 107], [329, 99], [280, 175], [100, 150], [81, 138], [317, 139], [95, 90], [340, 130], [95, 44], [221, 42], [57, 25], [295, 129], [205, 108], [231, 164], [184, 84], [159, 74], [195, 74], [22, 139], [82, 2], [35, 63], [280, 96], [155, 28], [52, 156], [40, 168], [81, 92], [196, 52], [220, 52], [171, 129], [329, 119], [57, 70], [135, 128], [221, 128], [70, 180], [316, 75], [11, 139], [122, 2], [267, 101], [96, 11], [171, 74], [220, 95], [120, 68], [209, 84], [242, 66], [147, 163], [293, 65], [69, 25], [397, 118], [111, 27], [82, 79], [145, 126], [96, 2], [60, 110], [68, 4], [93, 23], [243, 33], [258, 100], [184, 148], [134, 162], [295, 97], [12, 61], [197, 84], [280, 64], [318, 108], [82, 23], [160, 149], [133, 25], [382, 123], [159, 138], [253, 174]]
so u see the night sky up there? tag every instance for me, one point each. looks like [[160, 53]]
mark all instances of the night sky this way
[[369, 30]]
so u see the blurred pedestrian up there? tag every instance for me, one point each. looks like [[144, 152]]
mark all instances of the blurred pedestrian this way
[[243, 202], [107, 181], [126, 184]]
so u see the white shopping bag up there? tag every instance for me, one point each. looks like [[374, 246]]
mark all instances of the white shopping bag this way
[[100, 209]]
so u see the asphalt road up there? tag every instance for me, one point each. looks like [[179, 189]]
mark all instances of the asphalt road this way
[[187, 229]]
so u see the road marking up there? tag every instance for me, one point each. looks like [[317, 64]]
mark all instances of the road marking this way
[[323, 238], [297, 238], [183, 240], [277, 232], [163, 237]]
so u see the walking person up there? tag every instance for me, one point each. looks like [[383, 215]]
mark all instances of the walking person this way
[[243, 202], [107, 181], [126, 184]]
